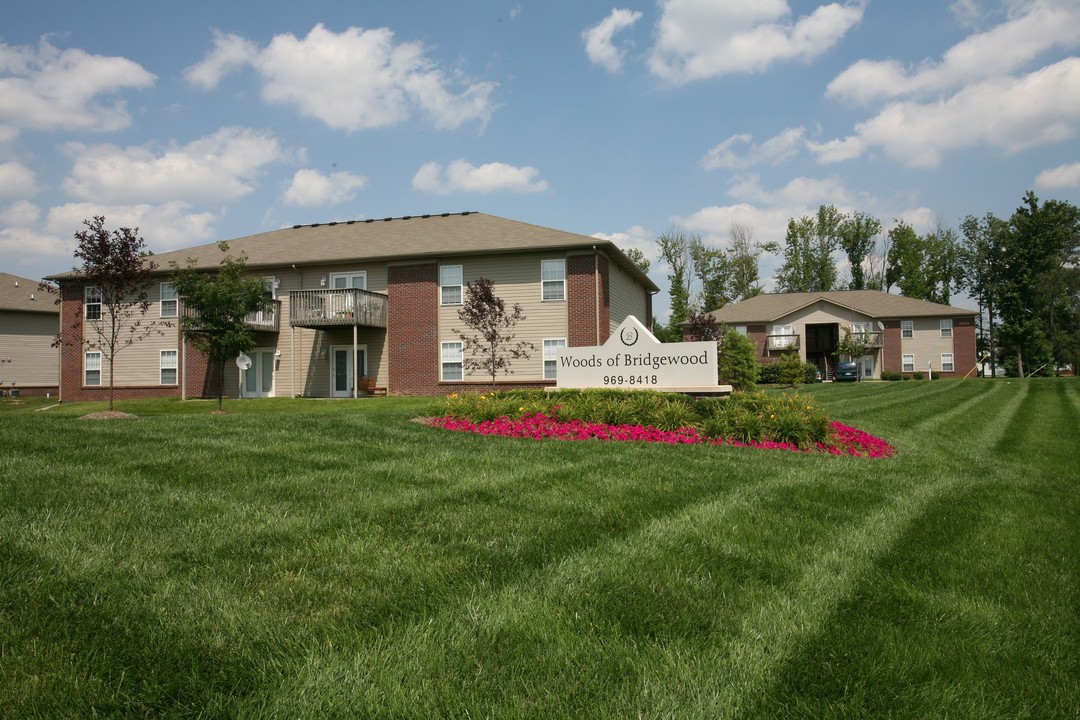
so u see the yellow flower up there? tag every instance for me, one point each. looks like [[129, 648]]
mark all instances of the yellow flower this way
[[772, 417], [521, 409], [809, 407]]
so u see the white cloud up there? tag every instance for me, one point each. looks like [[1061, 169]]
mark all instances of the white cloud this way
[[837, 150], [167, 226], [598, 39], [21, 213], [310, 188], [1036, 109], [1062, 176], [49, 89], [25, 247], [353, 80], [773, 151], [699, 39], [1001, 50], [211, 170], [460, 176], [16, 180]]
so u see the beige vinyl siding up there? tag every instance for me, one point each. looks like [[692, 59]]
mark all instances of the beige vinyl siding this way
[[517, 280], [819, 313], [627, 297], [926, 344], [26, 349]]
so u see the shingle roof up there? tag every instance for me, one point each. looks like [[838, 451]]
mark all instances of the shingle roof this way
[[409, 237], [768, 307], [22, 294]]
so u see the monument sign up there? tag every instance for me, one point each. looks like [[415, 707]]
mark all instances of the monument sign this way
[[632, 358]]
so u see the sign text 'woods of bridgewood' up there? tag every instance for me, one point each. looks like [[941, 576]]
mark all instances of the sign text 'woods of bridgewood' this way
[[633, 358]]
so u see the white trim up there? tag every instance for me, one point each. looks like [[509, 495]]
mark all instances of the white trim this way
[[88, 367], [950, 365], [163, 365], [349, 277], [552, 276], [88, 302], [904, 362], [448, 356], [173, 298], [907, 329], [945, 328], [351, 378], [449, 284], [550, 354]]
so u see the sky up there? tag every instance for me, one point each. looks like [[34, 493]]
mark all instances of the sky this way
[[204, 121]]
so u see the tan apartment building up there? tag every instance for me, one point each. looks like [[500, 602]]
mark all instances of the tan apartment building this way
[[905, 335], [371, 306], [29, 321]]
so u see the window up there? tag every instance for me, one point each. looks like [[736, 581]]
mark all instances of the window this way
[[909, 363], [741, 329], [553, 279], [92, 302], [945, 328], [450, 284], [551, 357], [338, 281], [168, 300], [92, 368], [907, 328], [451, 361], [946, 362], [168, 367]]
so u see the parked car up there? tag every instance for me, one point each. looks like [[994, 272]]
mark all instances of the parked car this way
[[846, 371]]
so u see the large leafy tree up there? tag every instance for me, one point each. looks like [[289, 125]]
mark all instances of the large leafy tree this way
[[922, 267], [808, 249], [491, 345], [858, 234], [980, 273], [737, 363], [742, 263], [116, 273], [216, 303], [675, 252]]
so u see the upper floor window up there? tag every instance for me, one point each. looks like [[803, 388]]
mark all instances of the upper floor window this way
[[907, 328], [551, 357], [945, 328], [92, 302], [169, 300], [340, 281], [553, 279], [92, 368], [450, 283], [167, 366]]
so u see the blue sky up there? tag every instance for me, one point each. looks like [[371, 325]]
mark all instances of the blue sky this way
[[202, 121]]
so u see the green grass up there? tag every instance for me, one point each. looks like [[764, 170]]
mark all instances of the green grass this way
[[331, 559]]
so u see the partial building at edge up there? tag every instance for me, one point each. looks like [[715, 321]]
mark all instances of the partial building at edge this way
[[372, 304], [29, 321], [905, 335]]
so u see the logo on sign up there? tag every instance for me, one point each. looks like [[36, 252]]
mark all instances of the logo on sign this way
[[629, 335]]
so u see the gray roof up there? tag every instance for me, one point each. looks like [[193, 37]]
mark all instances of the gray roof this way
[[22, 294], [391, 239], [768, 307]]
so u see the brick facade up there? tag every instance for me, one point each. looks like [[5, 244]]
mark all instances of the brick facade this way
[[965, 352], [891, 353], [587, 282], [412, 334]]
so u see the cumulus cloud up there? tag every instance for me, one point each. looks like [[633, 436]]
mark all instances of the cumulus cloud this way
[[460, 176], [45, 88], [1062, 176], [699, 39], [167, 226], [21, 213], [354, 80], [310, 188], [999, 51], [26, 247], [219, 167], [599, 45], [16, 180], [773, 151]]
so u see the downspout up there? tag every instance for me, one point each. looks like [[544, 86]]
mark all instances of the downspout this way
[[596, 291], [292, 339]]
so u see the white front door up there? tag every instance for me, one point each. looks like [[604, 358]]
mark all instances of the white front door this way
[[258, 380], [866, 366], [341, 369]]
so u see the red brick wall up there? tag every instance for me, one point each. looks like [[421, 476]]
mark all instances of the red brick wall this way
[[891, 352], [965, 354], [582, 274], [758, 333], [412, 334]]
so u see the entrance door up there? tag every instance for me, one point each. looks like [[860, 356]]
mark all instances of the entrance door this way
[[258, 380], [866, 366], [341, 369]]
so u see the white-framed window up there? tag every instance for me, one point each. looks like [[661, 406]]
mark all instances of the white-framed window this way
[[551, 357], [168, 367], [782, 337], [945, 328], [92, 302], [947, 362], [741, 329], [908, 363], [338, 281], [907, 328], [169, 300], [92, 368], [553, 279], [451, 361], [450, 282]]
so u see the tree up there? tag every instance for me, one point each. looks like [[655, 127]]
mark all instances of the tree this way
[[809, 245], [116, 277], [711, 269], [491, 347], [922, 267], [854, 345], [979, 268], [857, 233], [792, 372], [638, 258], [742, 263], [215, 307], [675, 251], [737, 362]]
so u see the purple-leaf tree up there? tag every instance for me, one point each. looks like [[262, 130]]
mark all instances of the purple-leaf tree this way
[[491, 346]]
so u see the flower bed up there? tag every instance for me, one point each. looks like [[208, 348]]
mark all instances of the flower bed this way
[[843, 440]]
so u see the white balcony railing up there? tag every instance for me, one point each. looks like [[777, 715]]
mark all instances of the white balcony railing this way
[[344, 306], [782, 342]]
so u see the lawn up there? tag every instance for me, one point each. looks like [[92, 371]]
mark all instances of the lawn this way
[[332, 559]]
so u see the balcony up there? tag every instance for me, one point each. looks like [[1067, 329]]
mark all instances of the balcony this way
[[869, 339], [344, 307], [782, 342], [263, 321]]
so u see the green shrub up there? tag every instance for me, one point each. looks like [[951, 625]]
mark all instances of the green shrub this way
[[737, 362], [810, 373], [917, 375], [769, 373], [891, 375], [792, 372]]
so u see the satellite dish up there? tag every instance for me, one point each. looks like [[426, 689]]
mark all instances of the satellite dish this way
[[243, 361]]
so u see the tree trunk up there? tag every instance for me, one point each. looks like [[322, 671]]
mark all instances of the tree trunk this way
[[111, 383]]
